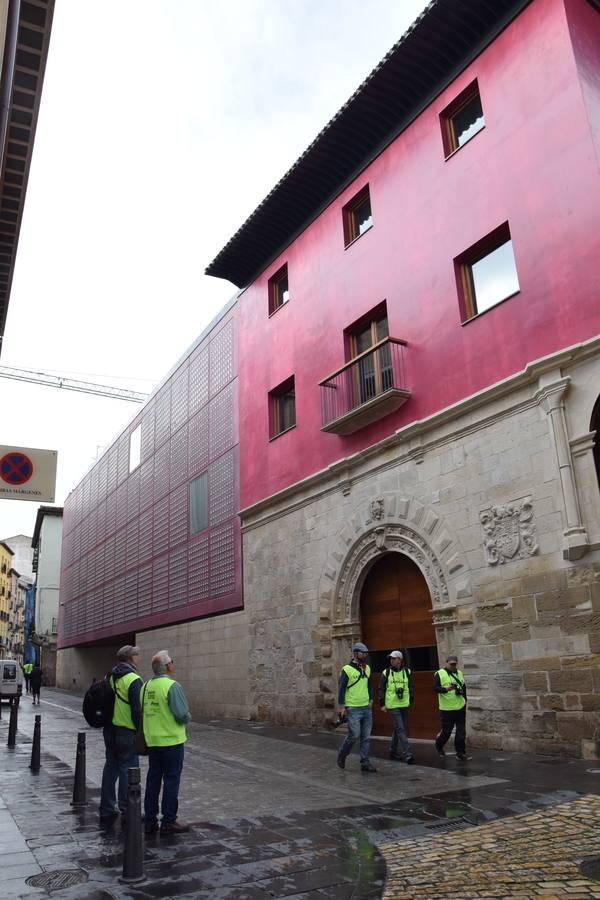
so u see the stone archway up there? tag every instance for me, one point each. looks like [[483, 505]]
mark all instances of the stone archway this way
[[384, 524]]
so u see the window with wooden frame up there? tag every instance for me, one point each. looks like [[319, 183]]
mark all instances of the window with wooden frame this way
[[279, 291], [372, 374], [486, 273], [282, 408], [462, 119], [357, 215]]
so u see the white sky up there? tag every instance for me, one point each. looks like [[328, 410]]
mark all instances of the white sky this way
[[163, 124]]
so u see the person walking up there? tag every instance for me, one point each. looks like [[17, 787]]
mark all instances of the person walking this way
[[355, 701], [27, 670], [35, 681], [119, 736], [395, 696], [165, 712], [449, 684]]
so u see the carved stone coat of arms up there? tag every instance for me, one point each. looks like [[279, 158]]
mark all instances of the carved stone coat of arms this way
[[509, 532]]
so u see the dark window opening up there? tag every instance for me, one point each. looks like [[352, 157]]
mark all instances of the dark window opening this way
[[279, 291], [373, 374], [462, 119], [358, 217], [282, 408], [199, 503]]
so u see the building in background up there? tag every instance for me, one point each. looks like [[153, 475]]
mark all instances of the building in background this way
[[46, 543], [24, 38], [6, 555], [16, 614], [404, 417], [20, 544]]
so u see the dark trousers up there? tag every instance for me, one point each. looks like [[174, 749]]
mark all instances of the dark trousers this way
[[453, 718], [27, 683], [164, 766], [120, 758]]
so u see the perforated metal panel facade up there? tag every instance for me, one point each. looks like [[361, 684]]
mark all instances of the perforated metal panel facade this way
[[129, 561]]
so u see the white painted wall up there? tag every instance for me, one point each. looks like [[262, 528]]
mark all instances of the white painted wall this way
[[48, 576]]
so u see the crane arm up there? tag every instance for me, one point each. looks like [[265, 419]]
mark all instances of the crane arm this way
[[70, 384]]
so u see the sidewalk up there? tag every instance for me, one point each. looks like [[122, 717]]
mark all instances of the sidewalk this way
[[273, 816]]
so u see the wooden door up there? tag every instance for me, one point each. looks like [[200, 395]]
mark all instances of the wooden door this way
[[396, 615]]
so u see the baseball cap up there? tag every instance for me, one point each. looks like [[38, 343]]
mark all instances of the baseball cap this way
[[395, 654]]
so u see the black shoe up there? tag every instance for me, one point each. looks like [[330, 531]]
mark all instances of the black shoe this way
[[463, 757], [341, 761], [409, 760], [110, 817], [368, 768], [440, 750], [395, 755]]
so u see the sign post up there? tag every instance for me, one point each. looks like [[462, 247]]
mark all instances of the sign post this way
[[27, 474]]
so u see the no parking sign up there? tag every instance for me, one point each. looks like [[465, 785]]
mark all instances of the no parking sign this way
[[27, 474]]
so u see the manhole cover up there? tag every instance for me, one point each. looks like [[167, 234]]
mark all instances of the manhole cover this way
[[56, 881], [590, 867], [453, 824]]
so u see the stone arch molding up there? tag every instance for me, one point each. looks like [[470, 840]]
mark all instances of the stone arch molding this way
[[387, 523]]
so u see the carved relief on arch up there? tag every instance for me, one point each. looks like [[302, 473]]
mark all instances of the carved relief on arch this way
[[392, 523], [372, 546]]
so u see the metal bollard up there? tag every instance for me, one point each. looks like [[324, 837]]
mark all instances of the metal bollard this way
[[12, 725], [133, 854], [79, 796], [34, 765]]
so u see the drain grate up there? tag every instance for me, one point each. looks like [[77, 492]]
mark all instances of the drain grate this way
[[590, 868], [57, 881], [452, 825]]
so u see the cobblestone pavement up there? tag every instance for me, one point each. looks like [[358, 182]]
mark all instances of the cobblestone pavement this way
[[531, 857], [272, 815]]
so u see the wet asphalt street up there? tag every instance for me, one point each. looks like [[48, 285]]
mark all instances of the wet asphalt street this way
[[272, 814]]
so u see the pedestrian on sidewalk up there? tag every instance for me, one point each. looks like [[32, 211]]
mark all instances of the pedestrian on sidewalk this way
[[27, 670], [36, 684], [449, 684], [355, 701], [395, 696], [165, 712], [119, 737]]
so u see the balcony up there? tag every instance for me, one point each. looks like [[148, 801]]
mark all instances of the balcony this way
[[366, 389]]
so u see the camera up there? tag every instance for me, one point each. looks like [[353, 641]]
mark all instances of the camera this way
[[399, 692], [458, 691]]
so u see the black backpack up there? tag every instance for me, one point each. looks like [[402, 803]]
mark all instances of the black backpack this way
[[99, 704]]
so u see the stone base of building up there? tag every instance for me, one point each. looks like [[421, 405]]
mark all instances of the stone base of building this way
[[496, 503]]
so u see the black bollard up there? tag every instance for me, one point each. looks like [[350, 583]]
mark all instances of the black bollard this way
[[79, 780], [34, 765], [12, 725], [133, 854]]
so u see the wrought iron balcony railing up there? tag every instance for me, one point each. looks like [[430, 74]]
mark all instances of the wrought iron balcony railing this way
[[366, 389]]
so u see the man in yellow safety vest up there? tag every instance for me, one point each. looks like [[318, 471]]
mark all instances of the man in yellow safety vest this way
[[395, 696], [165, 712], [355, 701], [449, 684], [119, 737]]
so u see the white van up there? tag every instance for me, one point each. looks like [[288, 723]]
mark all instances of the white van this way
[[11, 679]]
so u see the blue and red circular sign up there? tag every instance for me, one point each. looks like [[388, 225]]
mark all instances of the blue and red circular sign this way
[[15, 468]]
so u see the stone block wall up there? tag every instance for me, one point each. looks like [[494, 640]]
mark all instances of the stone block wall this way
[[211, 662], [76, 667], [488, 500]]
